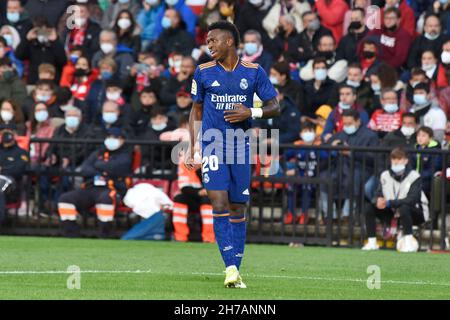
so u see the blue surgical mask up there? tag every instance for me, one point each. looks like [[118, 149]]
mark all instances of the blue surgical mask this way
[[344, 106], [420, 99], [73, 58], [124, 1], [152, 2], [106, 75], [250, 48], [13, 17], [350, 129], [376, 87], [171, 2], [42, 97], [431, 36], [110, 117], [274, 80], [320, 74], [308, 136], [398, 168], [159, 127], [9, 39], [390, 107], [354, 84], [166, 22], [112, 144], [41, 116], [72, 122], [443, 1]]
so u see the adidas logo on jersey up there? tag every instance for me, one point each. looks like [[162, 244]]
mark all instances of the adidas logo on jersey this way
[[215, 84], [246, 192]]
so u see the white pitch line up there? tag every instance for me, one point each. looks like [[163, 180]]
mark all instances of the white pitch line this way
[[417, 283]]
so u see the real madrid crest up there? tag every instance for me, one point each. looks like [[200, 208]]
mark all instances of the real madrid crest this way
[[244, 84]]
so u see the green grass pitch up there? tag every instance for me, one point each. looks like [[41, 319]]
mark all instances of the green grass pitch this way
[[34, 268]]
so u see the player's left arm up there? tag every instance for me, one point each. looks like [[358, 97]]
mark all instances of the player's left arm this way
[[266, 92]]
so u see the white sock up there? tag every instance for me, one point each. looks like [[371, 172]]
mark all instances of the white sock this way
[[372, 241]]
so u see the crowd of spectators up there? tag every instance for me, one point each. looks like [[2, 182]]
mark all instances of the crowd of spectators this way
[[356, 72]]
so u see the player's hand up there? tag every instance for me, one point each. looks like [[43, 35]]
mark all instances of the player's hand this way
[[191, 161], [238, 114]]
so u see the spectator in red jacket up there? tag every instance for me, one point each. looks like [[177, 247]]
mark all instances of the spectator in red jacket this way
[[395, 41], [389, 118], [408, 21], [331, 13]]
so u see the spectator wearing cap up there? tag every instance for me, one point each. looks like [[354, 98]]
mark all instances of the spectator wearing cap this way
[[432, 39], [106, 174], [296, 8], [174, 37], [11, 87], [41, 45], [185, 13], [347, 101], [405, 136], [122, 55], [44, 92], [254, 51], [394, 39], [182, 79], [389, 117], [11, 116], [337, 69], [357, 30], [113, 10], [280, 77], [147, 19], [110, 117], [148, 100], [7, 51], [84, 32], [427, 110], [128, 32], [331, 13], [17, 17], [52, 10], [145, 73], [310, 36]]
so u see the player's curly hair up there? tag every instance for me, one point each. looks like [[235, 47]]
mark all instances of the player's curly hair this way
[[227, 26]]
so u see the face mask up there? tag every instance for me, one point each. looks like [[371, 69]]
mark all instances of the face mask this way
[[166, 23], [9, 39], [106, 75], [350, 129], [308, 136], [420, 99], [41, 116], [109, 117], [320, 74], [368, 54], [274, 80], [8, 74], [171, 2], [72, 122], [376, 87], [445, 57], [113, 96], [431, 36], [107, 48], [355, 25], [392, 29], [13, 17], [80, 72], [42, 39], [443, 1], [124, 1], [428, 67], [314, 25], [152, 2], [250, 48], [79, 22], [7, 137], [112, 144], [43, 98], [344, 106], [407, 131], [326, 54], [74, 58], [159, 127], [7, 116], [354, 84], [390, 107], [124, 23], [398, 168], [256, 3]]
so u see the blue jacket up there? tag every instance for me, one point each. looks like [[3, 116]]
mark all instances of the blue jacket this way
[[186, 13], [148, 20], [427, 164]]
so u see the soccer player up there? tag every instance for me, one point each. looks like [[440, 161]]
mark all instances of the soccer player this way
[[222, 92]]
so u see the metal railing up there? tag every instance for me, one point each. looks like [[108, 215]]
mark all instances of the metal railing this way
[[334, 178]]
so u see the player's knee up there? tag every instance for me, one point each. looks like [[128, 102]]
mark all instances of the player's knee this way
[[220, 206]]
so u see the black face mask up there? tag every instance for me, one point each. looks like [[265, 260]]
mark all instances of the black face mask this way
[[392, 29], [354, 26], [147, 108], [7, 138], [368, 54], [326, 54], [81, 72]]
